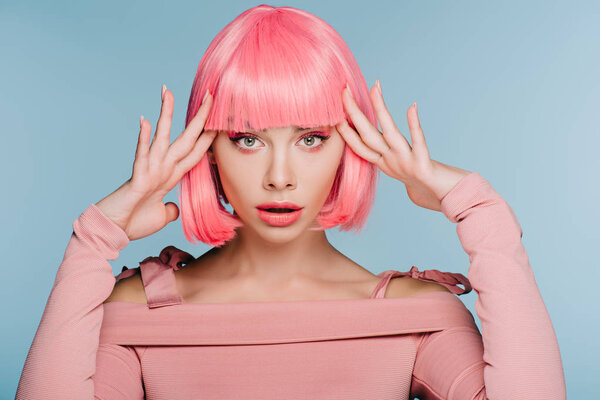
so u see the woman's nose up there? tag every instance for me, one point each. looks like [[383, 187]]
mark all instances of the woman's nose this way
[[279, 174]]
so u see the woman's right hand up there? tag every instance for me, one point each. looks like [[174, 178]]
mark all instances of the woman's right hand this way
[[137, 205]]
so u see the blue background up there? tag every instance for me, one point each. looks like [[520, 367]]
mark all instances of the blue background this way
[[508, 89]]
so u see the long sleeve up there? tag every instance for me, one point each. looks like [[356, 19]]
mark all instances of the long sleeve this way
[[61, 362], [516, 356]]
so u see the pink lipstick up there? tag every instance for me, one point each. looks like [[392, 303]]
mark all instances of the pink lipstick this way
[[279, 213]]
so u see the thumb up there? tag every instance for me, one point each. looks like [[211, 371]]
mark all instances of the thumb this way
[[172, 212]]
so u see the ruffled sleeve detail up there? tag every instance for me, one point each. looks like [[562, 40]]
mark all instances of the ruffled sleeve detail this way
[[126, 273], [158, 276], [170, 256], [450, 280], [173, 257]]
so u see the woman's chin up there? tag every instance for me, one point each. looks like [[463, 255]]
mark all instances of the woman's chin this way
[[279, 234], [273, 234]]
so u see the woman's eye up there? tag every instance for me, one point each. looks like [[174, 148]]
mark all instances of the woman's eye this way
[[246, 142], [312, 138]]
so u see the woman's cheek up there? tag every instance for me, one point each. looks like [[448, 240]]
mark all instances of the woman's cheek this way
[[323, 175], [233, 180], [239, 179]]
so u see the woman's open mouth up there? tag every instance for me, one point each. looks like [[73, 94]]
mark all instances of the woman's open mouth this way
[[279, 216]]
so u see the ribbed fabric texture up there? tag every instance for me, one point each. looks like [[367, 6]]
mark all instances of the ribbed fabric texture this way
[[379, 348]]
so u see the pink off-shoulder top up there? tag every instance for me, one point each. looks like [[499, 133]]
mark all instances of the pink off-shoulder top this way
[[426, 346]]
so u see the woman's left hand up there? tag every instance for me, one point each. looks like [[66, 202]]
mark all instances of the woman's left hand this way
[[427, 181]]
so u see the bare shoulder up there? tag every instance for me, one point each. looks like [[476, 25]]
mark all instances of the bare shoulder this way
[[130, 289], [407, 287]]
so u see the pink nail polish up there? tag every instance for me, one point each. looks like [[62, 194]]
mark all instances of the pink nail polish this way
[[141, 120], [378, 85], [164, 88], [349, 91]]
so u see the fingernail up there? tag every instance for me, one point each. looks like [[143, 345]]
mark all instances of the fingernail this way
[[378, 85], [415, 105], [164, 88], [141, 120], [205, 96]]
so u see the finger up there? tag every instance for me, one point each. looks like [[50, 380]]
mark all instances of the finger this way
[[356, 143], [188, 138], [141, 152], [391, 133], [143, 139], [369, 134], [161, 140], [416, 133], [196, 154]]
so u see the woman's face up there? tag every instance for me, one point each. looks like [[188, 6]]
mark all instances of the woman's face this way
[[275, 165]]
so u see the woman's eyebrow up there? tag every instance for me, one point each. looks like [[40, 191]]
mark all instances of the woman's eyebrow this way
[[296, 128]]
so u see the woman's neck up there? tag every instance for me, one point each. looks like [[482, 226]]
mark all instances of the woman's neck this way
[[251, 257]]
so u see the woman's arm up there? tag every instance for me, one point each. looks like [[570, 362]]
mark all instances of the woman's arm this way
[[520, 348], [61, 362], [520, 357]]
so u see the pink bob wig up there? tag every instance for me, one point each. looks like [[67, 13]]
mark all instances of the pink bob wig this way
[[274, 67]]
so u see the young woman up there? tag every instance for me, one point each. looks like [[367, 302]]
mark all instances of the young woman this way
[[282, 126]]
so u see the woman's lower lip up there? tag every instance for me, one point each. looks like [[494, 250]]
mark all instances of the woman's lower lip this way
[[279, 219]]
